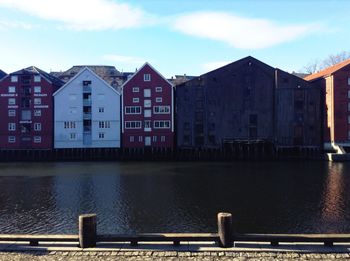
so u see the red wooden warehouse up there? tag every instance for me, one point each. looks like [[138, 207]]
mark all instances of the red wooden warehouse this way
[[147, 110]]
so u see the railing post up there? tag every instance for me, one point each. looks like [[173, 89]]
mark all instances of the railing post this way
[[87, 230], [225, 230]]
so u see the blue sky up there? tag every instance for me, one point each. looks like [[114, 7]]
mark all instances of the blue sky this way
[[176, 37]]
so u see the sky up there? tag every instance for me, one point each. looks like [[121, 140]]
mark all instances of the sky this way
[[177, 37]]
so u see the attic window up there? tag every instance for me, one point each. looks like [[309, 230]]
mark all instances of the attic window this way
[[86, 83], [37, 78], [249, 63]]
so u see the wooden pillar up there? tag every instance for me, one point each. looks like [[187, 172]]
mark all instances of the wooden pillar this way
[[225, 230], [87, 230]]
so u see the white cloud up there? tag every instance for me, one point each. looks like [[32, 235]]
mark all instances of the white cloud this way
[[83, 14], [124, 59], [209, 66], [240, 32], [5, 25]]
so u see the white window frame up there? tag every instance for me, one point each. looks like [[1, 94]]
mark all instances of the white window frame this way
[[159, 99], [104, 124], [147, 103], [11, 139], [135, 100], [154, 138], [11, 126], [11, 101], [37, 78], [37, 89], [147, 93], [140, 138], [37, 101], [37, 126], [101, 109], [159, 89], [161, 125], [14, 78], [135, 89], [147, 113], [133, 110], [133, 125], [12, 89], [162, 138], [11, 113], [37, 113], [146, 77], [161, 109], [37, 139]]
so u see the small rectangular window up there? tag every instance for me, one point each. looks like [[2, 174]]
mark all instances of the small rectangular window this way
[[154, 138], [37, 89], [11, 126], [147, 93], [26, 115], [37, 139], [159, 99], [37, 101], [72, 136], [101, 135], [11, 101], [131, 138], [147, 77], [37, 113], [37, 126], [101, 109], [11, 113], [135, 100], [147, 113], [140, 138], [11, 139], [12, 89], [37, 78], [159, 89], [14, 78], [147, 103], [162, 138], [349, 81], [135, 89]]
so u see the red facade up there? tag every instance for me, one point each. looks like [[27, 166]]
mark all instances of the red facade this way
[[148, 110], [26, 109]]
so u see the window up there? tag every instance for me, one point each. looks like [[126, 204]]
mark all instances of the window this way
[[135, 89], [135, 100], [26, 128], [12, 89], [148, 124], [11, 139], [162, 138], [154, 138], [159, 99], [147, 103], [37, 113], [72, 136], [11, 126], [86, 83], [37, 89], [101, 109], [161, 124], [159, 89], [147, 77], [104, 124], [140, 138], [26, 115], [349, 81], [14, 78], [161, 109], [37, 78], [37, 101], [101, 135], [147, 93], [133, 125], [69, 124], [132, 109], [11, 113], [131, 138], [25, 103], [37, 126], [37, 139], [11, 101], [147, 113]]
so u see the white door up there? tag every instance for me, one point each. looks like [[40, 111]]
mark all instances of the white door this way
[[147, 141]]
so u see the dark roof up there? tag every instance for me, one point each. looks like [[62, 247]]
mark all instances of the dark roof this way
[[104, 70], [327, 71], [2, 74], [300, 75], [34, 70]]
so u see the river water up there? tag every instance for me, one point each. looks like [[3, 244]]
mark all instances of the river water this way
[[130, 197]]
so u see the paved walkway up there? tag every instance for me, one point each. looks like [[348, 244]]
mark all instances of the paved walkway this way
[[15, 251]]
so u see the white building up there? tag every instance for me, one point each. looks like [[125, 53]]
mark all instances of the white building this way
[[87, 113]]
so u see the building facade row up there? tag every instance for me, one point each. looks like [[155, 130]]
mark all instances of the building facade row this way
[[245, 101]]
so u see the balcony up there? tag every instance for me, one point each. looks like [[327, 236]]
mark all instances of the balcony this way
[[87, 102], [87, 129], [87, 115], [87, 89]]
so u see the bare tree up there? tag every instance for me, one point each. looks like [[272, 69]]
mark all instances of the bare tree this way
[[312, 67], [331, 60]]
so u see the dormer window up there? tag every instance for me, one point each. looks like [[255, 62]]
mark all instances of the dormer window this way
[[147, 77]]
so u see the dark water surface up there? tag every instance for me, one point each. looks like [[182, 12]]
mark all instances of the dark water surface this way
[[264, 197]]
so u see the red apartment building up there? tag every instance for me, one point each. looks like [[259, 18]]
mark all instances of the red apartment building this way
[[147, 110], [26, 109], [335, 84]]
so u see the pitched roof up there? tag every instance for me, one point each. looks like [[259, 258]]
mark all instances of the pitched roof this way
[[101, 70], [327, 71], [2, 74], [34, 70]]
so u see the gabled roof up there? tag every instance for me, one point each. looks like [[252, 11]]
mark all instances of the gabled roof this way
[[80, 72], [327, 71], [34, 70], [2, 74], [100, 70], [144, 65]]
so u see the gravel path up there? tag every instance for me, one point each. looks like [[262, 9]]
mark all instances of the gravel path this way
[[159, 255]]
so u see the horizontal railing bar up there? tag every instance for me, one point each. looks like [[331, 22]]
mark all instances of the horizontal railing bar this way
[[293, 237], [23, 237], [160, 237]]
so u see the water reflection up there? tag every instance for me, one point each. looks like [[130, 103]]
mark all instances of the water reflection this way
[[264, 197]]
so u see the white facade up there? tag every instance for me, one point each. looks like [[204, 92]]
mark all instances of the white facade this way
[[87, 113]]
